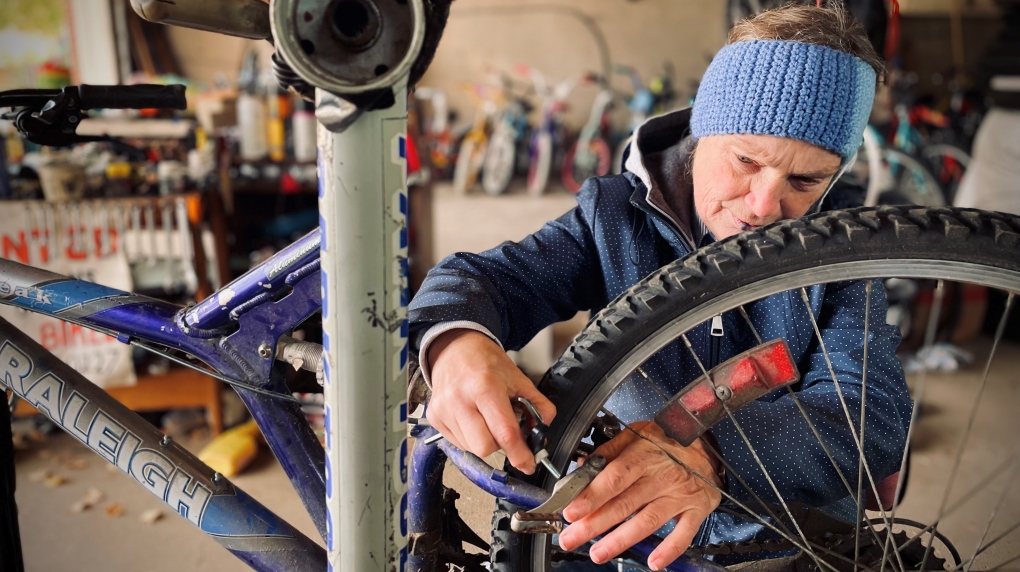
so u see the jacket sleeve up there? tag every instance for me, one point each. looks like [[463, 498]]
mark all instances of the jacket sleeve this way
[[786, 444], [517, 288]]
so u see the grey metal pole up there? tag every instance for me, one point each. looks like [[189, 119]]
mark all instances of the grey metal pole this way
[[363, 207]]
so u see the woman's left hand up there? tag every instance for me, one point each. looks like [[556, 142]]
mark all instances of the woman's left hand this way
[[643, 482]]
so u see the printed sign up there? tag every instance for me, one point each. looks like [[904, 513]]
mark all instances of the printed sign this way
[[83, 247]]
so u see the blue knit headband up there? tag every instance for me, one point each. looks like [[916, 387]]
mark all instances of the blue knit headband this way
[[787, 89]]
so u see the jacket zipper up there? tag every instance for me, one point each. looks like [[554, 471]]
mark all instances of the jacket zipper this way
[[715, 334]]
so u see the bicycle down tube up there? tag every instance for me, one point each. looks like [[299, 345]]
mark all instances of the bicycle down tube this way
[[132, 317], [167, 470]]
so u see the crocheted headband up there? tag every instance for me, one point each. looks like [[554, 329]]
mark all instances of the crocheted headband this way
[[787, 89]]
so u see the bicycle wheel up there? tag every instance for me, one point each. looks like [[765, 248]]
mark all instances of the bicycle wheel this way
[[913, 182], [498, 166], [786, 259], [469, 161], [541, 164], [948, 164]]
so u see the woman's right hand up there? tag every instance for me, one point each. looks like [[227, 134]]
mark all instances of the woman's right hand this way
[[473, 383]]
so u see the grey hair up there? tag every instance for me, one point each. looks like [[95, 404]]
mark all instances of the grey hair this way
[[832, 26]]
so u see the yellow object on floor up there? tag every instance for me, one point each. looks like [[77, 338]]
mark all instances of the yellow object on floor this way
[[231, 451]]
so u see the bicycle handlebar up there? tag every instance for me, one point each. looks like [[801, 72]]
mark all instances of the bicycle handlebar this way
[[140, 96]]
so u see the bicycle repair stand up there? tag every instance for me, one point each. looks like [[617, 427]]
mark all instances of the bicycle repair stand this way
[[362, 51]]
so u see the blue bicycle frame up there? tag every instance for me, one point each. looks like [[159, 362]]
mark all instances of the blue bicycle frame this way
[[226, 332]]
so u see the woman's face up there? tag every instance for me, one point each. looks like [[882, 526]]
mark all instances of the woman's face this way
[[742, 182]]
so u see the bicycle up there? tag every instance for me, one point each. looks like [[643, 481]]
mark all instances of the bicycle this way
[[656, 97], [672, 309], [547, 138], [436, 132], [507, 141], [950, 244], [590, 156], [239, 332], [473, 146]]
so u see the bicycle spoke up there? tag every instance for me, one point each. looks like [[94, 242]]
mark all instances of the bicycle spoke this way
[[980, 486], [655, 388], [750, 447], [970, 421], [929, 339], [864, 395], [732, 499], [821, 441], [716, 454], [846, 410], [999, 538], [730, 472], [995, 510], [1013, 559], [750, 324]]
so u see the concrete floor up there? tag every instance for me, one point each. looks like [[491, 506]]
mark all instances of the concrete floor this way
[[56, 540]]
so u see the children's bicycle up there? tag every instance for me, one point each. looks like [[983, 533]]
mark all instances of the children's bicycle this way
[[475, 143], [590, 155], [547, 138], [508, 141]]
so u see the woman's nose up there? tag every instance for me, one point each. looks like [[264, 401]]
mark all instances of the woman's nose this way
[[765, 200]]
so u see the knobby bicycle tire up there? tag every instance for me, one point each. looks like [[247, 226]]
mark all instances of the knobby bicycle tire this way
[[954, 244]]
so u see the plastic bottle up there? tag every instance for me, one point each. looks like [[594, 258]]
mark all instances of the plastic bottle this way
[[276, 136], [251, 111], [251, 122], [305, 144]]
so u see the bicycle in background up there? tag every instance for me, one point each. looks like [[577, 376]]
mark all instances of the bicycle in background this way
[[473, 146], [508, 144], [590, 155], [547, 140]]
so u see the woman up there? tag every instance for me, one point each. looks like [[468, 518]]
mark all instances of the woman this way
[[779, 116]]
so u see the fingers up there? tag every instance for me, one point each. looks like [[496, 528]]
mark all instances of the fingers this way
[[608, 515], [474, 433], [502, 425], [524, 388], [641, 525], [618, 475], [676, 542]]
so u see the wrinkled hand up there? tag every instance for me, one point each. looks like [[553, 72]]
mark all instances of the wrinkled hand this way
[[473, 382], [641, 480]]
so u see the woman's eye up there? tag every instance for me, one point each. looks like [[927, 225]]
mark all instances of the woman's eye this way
[[805, 184]]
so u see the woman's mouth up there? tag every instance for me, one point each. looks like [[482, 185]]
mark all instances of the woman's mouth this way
[[744, 225]]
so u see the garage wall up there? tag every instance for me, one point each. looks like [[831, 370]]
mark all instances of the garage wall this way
[[641, 33], [500, 34], [205, 55]]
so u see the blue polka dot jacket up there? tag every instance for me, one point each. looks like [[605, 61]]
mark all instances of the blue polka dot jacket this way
[[627, 226]]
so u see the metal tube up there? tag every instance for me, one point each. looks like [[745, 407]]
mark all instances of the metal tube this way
[[524, 495], [187, 485], [243, 18], [425, 506], [362, 205], [270, 277]]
